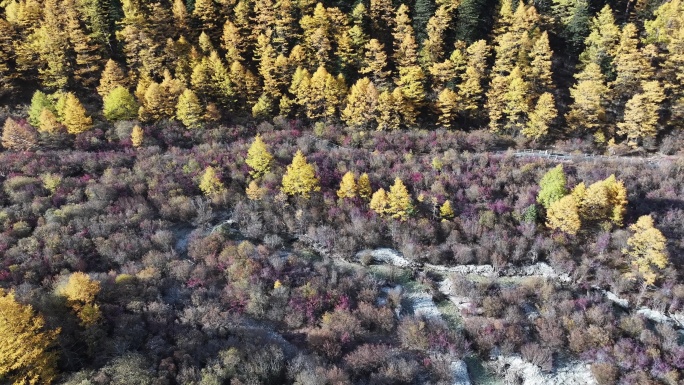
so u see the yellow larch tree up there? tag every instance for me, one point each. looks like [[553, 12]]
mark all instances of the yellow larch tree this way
[[602, 43], [348, 188], [603, 201], [379, 202], [26, 354], [363, 186], [405, 46], [516, 101], [258, 158], [642, 114], [18, 136], [375, 63], [448, 106], [541, 117], [399, 204], [189, 111], [433, 47], [631, 66], [112, 77], [80, 292], [446, 212], [389, 109], [647, 249], [49, 123], [300, 177], [75, 119], [411, 83], [254, 192], [540, 74], [563, 215], [137, 136], [588, 109], [232, 42], [210, 184], [362, 102]]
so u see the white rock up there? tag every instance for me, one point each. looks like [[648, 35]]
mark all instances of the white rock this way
[[459, 372], [655, 315], [388, 256], [570, 374]]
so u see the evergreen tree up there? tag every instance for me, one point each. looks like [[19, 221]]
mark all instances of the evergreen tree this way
[[552, 186], [39, 102], [602, 43], [300, 178], [120, 104], [573, 16], [422, 11], [469, 20], [26, 347], [189, 111], [258, 158], [75, 119]]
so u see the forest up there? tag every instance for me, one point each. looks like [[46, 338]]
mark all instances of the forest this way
[[444, 192]]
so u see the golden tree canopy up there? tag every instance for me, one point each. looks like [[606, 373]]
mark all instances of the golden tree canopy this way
[[563, 215], [399, 201], [348, 188], [258, 158], [210, 183], [24, 344], [647, 249], [300, 178]]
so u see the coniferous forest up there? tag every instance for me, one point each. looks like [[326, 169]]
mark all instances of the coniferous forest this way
[[245, 192]]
